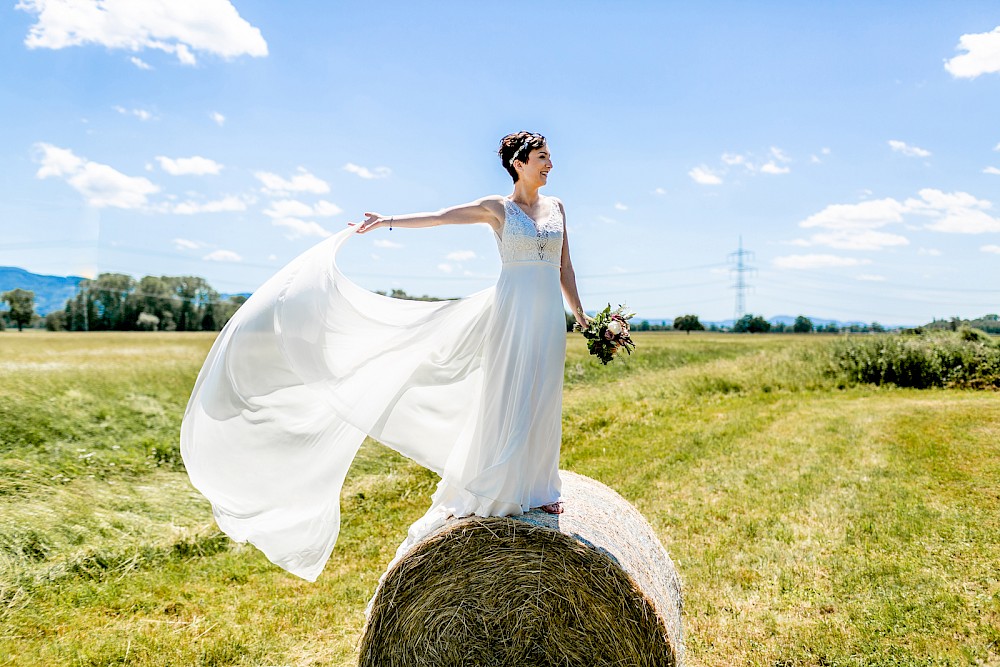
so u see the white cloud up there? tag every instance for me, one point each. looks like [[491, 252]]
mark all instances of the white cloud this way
[[180, 27], [303, 181], [780, 155], [285, 208], [908, 150], [954, 212], [100, 184], [864, 215], [992, 170], [774, 168], [365, 172], [776, 164], [982, 55], [740, 160], [815, 159], [620, 206], [58, 161], [297, 228], [933, 201], [140, 63], [185, 244], [217, 206], [292, 208], [816, 261], [995, 249], [461, 255], [854, 239], [930, 252], [386, 243], [141, 114], [326, 209], [289, 213], [659, 192], [606, 220], [733, 159], [219, 119], [704, 176], [950, 212], [870, 277], [445, 268], [189, 166], [223, 256], [965, 221]]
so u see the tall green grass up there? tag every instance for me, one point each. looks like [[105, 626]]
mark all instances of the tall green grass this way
[[814, 520], [967, 358]]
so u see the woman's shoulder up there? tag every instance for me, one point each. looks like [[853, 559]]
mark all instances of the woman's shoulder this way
[[555, 201], [493, 207], [493, 199]]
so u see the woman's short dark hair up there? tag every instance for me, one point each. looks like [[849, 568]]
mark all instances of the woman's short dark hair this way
[[518, 146]]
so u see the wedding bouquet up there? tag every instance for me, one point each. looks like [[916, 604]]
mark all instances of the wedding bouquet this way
[[608, 333]]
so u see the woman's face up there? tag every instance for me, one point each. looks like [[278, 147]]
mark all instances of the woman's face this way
[[536, 169]]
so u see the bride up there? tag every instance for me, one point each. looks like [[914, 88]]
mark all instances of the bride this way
[[471, 389]]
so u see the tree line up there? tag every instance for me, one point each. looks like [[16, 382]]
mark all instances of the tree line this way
[[119, 302], [751, 323]]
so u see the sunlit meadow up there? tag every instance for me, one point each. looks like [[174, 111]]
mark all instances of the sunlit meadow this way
[[813, 521]]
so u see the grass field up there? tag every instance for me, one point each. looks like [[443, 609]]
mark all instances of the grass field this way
[[812, 523]]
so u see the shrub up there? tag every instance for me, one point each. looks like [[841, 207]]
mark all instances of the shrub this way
[[967, 358], [751, 324], [688, 323]]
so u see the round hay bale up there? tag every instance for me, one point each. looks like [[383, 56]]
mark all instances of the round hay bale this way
[[591, 586]]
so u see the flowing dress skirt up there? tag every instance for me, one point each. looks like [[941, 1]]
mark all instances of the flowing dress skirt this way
[[311, 363]]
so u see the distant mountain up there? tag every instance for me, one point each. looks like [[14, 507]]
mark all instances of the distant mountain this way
[[51, 292]]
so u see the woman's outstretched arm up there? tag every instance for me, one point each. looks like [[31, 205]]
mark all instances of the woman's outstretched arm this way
[[567, 278], [487, 209]]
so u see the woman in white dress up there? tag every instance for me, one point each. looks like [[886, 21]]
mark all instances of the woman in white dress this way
[[471, 389]]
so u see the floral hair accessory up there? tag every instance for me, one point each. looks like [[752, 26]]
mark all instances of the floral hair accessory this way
[[526, 144]]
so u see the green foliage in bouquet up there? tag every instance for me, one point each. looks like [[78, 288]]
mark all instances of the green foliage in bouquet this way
[[607, 333]]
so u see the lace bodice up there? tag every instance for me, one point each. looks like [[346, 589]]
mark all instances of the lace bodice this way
[[524, 241]]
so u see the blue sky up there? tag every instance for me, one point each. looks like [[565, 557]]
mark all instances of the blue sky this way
[[855, 147]]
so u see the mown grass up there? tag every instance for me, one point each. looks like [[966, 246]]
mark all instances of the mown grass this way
[[814, 522]]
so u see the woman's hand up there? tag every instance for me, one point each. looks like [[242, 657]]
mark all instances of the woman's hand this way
[[371, 221]]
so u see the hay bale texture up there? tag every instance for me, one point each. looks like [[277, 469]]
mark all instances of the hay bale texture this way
[[591, 586]]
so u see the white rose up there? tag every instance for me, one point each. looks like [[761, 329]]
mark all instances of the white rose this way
[[615, 327]]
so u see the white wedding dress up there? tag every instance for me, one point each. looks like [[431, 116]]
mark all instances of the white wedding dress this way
[[311, 363]]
